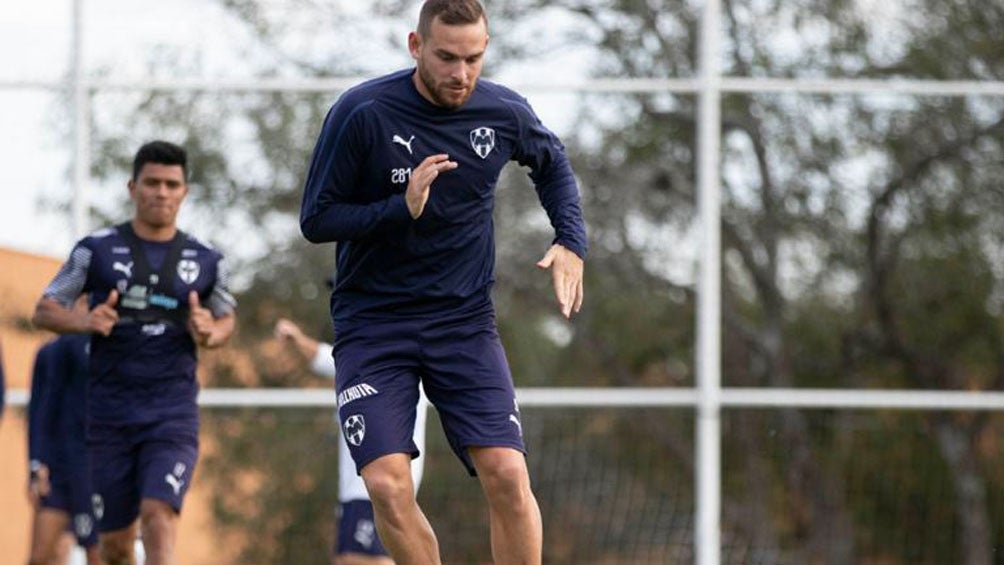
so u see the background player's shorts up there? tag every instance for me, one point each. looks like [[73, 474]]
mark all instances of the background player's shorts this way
[[462, 366], [356, 529], [70, 492], [137, 461]]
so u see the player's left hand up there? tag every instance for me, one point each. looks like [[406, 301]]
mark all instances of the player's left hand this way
[[38, 485], [200, 321], [566, 274]]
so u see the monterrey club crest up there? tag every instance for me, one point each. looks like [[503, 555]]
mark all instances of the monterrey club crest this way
[[188, 270], [354, 429], [483, 141]]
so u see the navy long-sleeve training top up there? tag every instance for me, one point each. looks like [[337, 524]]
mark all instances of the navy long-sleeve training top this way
[[372, 139], [57, 410]]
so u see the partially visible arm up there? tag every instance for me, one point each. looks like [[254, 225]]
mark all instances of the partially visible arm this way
[[207, 329], [39, 407], [332, 209], [539, 149], [52, 315], [319, 354], [55, 310]]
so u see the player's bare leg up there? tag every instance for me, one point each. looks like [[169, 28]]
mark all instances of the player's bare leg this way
[[117, 546], [517, 530], [160, 528], [49, 537], [360, 559], [402, 526]]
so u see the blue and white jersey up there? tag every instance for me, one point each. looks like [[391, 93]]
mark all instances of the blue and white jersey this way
[[372, 139], [145, 370], [57, 410]]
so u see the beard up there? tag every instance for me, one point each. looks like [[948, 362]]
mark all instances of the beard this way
[[441, 94]]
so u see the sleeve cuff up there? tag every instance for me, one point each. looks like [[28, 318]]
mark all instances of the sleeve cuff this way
[[323, 363]]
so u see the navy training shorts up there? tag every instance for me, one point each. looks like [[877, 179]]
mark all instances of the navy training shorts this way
[[357, 530], [70, 492], [461, 364], [135, 461]]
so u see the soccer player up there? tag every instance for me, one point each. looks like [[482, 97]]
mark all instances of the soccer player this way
[[358, 542], [60, 484], [403, 178], [156, 294]]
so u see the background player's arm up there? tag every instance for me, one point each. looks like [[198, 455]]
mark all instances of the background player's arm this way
[[52, 315], [38, 410], [319, 354]]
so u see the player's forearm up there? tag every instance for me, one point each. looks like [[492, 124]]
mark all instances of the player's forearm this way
[[51, 315], [345, 222], [559, 195]]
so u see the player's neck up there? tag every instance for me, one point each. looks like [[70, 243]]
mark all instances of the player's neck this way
[[150, 232]]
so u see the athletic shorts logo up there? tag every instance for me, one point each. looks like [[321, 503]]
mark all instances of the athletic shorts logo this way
[[483, 141], [365, 533], [83, 525], [355, 429], [355, 392], [174, 479], [188, 270], [98, 506]]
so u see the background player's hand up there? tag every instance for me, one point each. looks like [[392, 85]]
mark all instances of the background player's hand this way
[[566, 274], [38, 484], [103, 317], [287, 330], [200, 321], [417, 193]]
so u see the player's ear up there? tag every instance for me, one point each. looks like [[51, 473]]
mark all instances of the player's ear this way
[[414, 44]]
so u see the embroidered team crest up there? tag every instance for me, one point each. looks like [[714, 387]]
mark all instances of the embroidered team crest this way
[[355, 429], [483, 141], [188, 270]]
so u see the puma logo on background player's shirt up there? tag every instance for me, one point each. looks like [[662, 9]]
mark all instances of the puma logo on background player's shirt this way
[[407, 144]]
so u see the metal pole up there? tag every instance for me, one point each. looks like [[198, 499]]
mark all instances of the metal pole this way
[[708, 471], [81, 126]]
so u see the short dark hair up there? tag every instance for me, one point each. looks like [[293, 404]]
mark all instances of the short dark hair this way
[[162, 153], [450, 12]]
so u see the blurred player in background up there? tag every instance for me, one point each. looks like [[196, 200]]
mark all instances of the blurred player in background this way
[[3, 384], [156, 295], [59, 486], [358, 542], [403, 178]]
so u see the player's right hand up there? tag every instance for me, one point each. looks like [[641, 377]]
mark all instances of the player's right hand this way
[[103, 317], [417, 193]]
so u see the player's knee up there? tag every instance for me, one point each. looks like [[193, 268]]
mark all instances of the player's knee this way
[[506, 479], [387, 488], [158, 519], [388, 481]]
